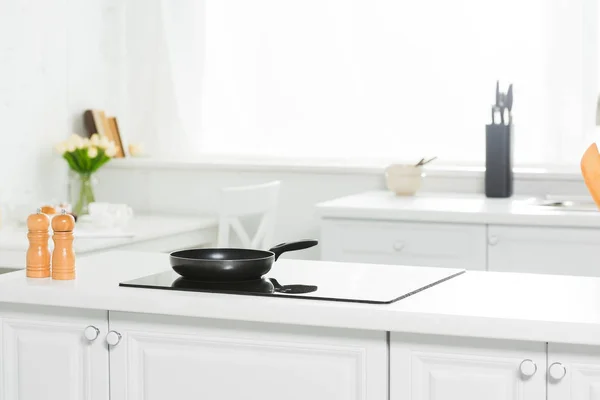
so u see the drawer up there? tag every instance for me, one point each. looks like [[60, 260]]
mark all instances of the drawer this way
[[544, 250], [383, 242]]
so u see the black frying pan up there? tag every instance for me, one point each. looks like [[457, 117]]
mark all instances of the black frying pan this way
[[227, 265]]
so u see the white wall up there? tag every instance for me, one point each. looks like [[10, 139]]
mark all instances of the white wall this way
[[194, 190], [57, 58]]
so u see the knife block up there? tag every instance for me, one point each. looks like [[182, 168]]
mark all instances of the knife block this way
[[498, 161]]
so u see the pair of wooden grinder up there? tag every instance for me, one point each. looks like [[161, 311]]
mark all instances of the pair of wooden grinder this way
[[38, 254]]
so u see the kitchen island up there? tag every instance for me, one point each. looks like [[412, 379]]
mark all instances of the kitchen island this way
[[480, 335]]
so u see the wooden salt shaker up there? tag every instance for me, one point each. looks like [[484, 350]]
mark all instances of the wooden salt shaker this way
[[38, 253], [63, 257]]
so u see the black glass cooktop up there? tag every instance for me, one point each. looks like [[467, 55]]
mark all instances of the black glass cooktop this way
[[361, 283]]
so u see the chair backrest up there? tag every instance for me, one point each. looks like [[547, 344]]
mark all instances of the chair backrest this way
[[245, 201]]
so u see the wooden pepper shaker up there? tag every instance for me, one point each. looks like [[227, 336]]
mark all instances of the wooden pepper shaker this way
[[63, 257], [38, 253]]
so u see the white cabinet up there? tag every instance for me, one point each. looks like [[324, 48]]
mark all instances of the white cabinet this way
[[544, 250], [504, 248], [45, 354], [63, 354], [425, 244], [443, 368], [573, 372], [160, 357]]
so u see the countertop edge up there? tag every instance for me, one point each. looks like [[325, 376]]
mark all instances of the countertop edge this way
[[303, 313], [380, 206], [460, 218]]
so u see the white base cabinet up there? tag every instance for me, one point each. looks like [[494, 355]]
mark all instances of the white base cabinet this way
[[543, 250], [501, 248], [574, 372], [160, 357], [443, 368], [400, 243], [426, 367], [67, 354], [45, 355]]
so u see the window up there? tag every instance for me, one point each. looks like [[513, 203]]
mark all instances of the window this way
[[395, 78]]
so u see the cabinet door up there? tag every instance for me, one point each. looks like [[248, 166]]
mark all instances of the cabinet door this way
[[45, 354], [404, 243], [573, 372], [543, 250], [164, 357], [444, 368]]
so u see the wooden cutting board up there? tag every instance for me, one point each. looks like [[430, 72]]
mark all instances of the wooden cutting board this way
[[590, 169]]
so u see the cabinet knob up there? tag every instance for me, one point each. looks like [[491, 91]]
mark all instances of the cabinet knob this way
[[113, 338], [493, 240], [398, 246], [528, 368], [91, 333], [557, 371]]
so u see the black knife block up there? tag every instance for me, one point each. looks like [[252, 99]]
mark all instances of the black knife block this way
[[498, 161]]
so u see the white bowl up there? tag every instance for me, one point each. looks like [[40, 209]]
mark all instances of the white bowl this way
[[403, 179]]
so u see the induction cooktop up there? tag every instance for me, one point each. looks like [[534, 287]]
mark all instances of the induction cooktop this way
[[358, 283]]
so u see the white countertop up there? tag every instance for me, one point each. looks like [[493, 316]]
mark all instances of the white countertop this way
[[140, 229], [561, 309], [453, 208]]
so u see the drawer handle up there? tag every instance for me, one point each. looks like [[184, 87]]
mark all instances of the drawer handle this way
[[557, 371], [91, 333], [113, 338], [493, 240], [528, 368], [398, 246]]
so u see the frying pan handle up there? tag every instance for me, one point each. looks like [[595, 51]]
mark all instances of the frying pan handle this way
[[291, 246]]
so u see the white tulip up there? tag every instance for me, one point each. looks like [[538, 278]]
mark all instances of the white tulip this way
[[111, 151], [76, 141], [92, 152], [95, 139], [86, 143], [70, 147], [104, 142]]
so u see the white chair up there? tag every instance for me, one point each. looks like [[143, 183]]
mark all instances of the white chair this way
[[244, 201]]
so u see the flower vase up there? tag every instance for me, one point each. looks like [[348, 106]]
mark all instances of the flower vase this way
[[82, 192]]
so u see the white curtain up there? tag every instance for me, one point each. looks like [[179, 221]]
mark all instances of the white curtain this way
[[396, 78], [393, 79], [183, 30], [164, 57]]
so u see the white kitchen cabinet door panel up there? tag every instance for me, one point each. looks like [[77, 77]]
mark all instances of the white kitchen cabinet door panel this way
[[399, 243], [188, 359], [443, 368], [45, 354], [544, 250], [574, 372]]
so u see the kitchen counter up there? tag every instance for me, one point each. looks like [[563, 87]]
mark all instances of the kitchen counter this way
[[542, 308], [451, 208], [144, 232]]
